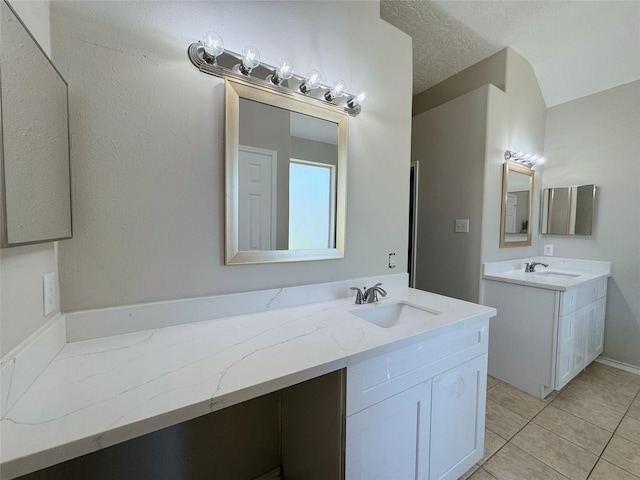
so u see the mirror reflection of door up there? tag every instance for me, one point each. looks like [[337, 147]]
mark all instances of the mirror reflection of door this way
[[510, 219], [257, 178], [287, 169], [515, 215], [517, 207]]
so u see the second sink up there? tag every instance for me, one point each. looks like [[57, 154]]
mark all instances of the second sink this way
[[387, 315]]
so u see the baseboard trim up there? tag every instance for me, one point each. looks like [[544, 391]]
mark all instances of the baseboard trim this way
[[619, 365]]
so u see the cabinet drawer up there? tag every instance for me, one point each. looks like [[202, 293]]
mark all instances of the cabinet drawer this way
[[602, 287], [587, 293], [568, 300], [582, 295], [373, 380]]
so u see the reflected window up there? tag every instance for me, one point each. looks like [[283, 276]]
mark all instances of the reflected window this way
[[311, 205]]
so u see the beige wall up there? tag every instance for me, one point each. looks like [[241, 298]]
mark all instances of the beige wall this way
[[147, 132], [463, 140], [449, 145], [596, 139], [516, 122], [22, 268]]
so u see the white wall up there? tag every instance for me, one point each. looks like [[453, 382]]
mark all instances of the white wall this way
[[596, 139], [22, 268], [147, 135]]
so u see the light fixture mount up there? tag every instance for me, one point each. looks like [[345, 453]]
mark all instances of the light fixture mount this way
[[295, 85]]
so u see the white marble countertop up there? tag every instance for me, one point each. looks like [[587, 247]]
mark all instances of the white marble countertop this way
[[99, 392], [561, 274]]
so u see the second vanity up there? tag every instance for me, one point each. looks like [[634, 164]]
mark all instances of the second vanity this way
[[550, 322], [409, 395]]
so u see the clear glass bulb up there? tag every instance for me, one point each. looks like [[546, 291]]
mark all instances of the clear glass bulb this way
[[285, 69], [213, 44], [250, 57], [361, 97], [339, 87], [358, 99], [314, 78]]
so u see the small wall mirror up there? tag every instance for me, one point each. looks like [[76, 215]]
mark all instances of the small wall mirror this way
[[568, 210], [517, 204], [285, 177], [35, 186]]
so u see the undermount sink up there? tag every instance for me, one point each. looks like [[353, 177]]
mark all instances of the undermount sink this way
[[556, 274], [387, 315]]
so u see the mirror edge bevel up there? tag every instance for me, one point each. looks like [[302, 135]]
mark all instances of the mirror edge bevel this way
[[505, 173], [234, 90]]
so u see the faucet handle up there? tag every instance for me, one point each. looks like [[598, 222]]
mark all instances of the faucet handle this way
[[358, 295]]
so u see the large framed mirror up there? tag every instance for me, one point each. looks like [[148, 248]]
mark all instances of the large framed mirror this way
[[517, 205], [568, 210], [285, 169], [35, 190]]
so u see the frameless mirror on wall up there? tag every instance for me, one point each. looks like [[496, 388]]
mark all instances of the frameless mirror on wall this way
[[568, 210], [517, 201], [285, 173], [34, 154]]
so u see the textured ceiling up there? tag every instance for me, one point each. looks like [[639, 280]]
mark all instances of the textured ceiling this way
[[575, 47]]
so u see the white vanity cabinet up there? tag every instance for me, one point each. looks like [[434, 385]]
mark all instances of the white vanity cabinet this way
[[418, 411], [541, 338]]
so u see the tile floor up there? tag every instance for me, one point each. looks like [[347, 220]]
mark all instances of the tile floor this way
[[590, 430]]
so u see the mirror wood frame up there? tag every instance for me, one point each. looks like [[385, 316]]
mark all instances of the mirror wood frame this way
[[235, 89], [511, 167]]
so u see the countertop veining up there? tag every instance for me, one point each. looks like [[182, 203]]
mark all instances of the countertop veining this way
[[99, 392]]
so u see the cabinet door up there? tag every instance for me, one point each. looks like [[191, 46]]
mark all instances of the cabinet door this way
[[565, 354], [458, 401], [598, 336], [580, 341], [390, 440]]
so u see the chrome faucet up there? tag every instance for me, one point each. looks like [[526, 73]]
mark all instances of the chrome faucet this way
[[531, 267], [369, 295]]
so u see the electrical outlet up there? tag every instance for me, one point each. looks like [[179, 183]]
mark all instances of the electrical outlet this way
[[548, 251], [50, 293], [462, 225], [392, 260]]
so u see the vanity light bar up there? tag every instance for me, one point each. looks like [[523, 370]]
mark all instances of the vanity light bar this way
[[215, 60], [527, 159]]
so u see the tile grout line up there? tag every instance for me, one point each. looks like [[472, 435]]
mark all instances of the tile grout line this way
[[547, 404], [611, 438], [515, 446]]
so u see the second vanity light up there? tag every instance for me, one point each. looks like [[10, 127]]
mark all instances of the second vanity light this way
[[210, 56], [529, 160]]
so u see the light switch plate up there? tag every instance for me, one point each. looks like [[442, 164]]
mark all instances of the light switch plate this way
[[462, 225], [392, 260], [50, 293], [548, 251]]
